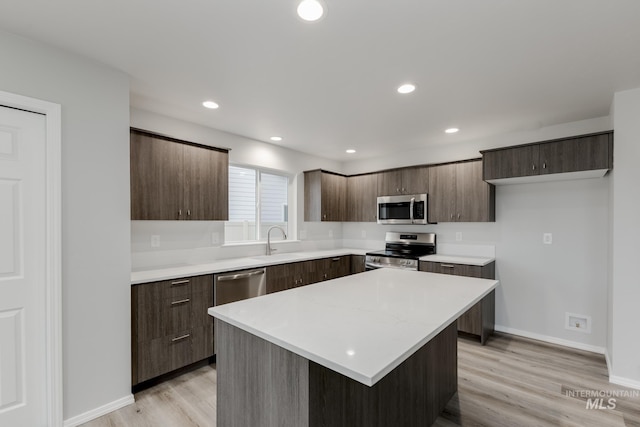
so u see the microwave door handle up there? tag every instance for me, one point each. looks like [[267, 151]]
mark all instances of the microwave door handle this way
[[413, 200]]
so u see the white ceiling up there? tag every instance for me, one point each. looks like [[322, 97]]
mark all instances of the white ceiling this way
[[488, 67]]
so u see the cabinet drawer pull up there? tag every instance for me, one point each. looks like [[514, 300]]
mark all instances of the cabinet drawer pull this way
[[179, 282], [335, 259], [182, 301], [447, 265], [180, 338]]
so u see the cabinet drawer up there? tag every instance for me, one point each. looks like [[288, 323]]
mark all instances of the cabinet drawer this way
[[454, 269], [159, 317], [176, 288], [164, 354]]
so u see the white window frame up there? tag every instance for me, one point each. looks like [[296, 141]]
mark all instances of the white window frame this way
[[291, 208]]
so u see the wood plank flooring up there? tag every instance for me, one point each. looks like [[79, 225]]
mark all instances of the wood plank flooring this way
[[511, 382]]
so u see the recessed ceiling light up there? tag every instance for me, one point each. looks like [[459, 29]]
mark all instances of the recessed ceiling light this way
[[276, 138], [210, 104], [452, 130], [351, 151], [406, 88], [310, 10]]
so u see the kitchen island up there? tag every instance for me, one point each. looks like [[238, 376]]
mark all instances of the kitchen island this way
[[372, 349]]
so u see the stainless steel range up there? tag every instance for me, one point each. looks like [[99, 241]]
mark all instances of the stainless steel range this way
[[402, 250]]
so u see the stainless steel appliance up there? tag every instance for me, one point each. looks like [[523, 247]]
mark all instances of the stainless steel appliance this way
[[239, 285], [404, 209], [402, 250]]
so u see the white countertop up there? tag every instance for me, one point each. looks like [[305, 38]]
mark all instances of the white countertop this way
[[456, 259], [222, 266], [362, 326]]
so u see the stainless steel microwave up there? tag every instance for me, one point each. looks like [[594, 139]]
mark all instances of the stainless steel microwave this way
[[404, 209]]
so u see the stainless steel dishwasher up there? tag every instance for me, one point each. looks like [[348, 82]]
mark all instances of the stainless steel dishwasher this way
[[239, 285]]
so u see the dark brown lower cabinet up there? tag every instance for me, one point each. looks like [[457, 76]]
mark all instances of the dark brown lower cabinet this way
[[170, 325], [358, 264], [479, 320], [288, 276]]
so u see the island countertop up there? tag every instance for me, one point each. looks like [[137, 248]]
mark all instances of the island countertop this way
[[361, 326]]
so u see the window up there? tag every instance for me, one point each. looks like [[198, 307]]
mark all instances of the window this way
[[257, 201]]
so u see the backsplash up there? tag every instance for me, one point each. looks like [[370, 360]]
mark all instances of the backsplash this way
[[200, 242]]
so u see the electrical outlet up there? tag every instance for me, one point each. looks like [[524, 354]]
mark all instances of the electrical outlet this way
[[330, 233], [458, 236], [155, 241], [363, 234], [547, 238], [215, 238], [578, 322]]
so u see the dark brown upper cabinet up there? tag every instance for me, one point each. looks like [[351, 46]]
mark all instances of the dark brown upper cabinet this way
[[176, 180], [457, 193], [410, 180], [583, 156], [325, 196], [361, 197]]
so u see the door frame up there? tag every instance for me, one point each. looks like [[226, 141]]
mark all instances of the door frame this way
[[53, 226]]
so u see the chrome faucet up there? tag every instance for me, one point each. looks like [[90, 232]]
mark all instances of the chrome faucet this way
[[269, 250]]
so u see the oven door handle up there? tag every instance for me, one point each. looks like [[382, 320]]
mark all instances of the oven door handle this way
[[413, 201], [373, 265]]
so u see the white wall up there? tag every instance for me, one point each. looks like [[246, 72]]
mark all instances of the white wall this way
[[95, 213], [191, 241], [625, 285], [539, 283]]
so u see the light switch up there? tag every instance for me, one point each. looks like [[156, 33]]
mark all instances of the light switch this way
[[547, 238], [458, 236], [155, 241]]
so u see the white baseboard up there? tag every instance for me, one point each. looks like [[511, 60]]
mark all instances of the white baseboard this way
[[98, 412], [552, 340], [624, 382]]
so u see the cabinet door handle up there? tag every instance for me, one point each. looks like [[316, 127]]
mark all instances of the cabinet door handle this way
[[179, 212], [533, 167], [179, 283], [324, 216], [544, 165], [180, 338], [447, 265], [325, 275], [451, 216], [403, 190], [182, 301], [188, 212], [458, 216]]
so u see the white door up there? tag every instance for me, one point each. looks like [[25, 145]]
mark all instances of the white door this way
[[23, 381]]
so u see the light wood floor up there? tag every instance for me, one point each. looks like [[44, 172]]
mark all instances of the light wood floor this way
[[511, 382]]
